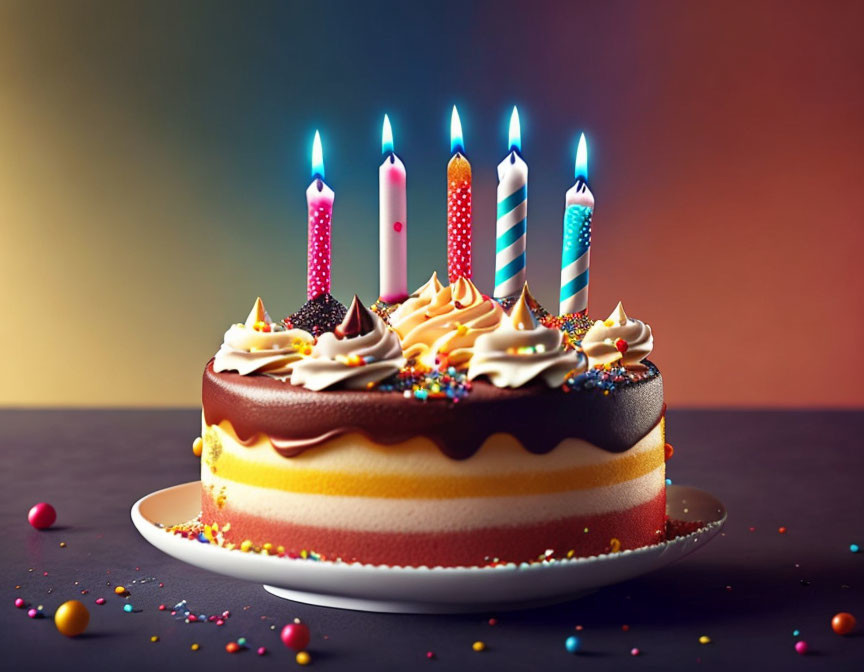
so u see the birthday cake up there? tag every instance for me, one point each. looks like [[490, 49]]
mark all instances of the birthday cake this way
[[443, 428]]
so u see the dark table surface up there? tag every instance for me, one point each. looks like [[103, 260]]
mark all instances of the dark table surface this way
[[747, 590]]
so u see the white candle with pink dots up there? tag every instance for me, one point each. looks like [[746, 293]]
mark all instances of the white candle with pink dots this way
[[392, 222]]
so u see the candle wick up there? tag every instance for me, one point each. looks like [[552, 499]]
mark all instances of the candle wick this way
[[513, 156], [392, 157], [320, 184]]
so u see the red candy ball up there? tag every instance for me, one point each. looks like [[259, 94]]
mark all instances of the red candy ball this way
[[843, 623], [295, 636], [42, 516]]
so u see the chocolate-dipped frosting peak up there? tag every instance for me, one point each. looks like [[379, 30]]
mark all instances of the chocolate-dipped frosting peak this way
[[358, 321]]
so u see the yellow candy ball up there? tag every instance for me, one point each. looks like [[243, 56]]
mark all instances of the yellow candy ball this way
[[478, 646], [120, 590], [303, 658], [197, 447], [704, 639], [71, 618]]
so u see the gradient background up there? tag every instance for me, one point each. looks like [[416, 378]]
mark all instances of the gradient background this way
[[154, 158]]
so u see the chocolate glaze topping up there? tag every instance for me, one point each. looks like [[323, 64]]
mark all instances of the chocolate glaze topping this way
[[296, 419]]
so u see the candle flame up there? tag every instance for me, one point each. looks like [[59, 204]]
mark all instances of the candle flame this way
[[582, 159], [386, 136], [515, 141], [456, 142], [317, 157]]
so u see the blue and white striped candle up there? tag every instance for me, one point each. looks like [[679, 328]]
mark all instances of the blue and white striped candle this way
[[512, 217], [576, 252]]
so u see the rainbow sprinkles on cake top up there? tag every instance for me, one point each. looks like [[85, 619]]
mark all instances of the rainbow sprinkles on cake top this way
[[444, 427]]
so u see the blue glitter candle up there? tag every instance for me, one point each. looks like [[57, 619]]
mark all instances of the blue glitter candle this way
[[576, 249]]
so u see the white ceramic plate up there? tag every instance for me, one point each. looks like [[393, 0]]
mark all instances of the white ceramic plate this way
[[423, 589]]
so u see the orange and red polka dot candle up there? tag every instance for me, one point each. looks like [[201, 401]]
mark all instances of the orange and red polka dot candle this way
[[319, 201], [458, 206]]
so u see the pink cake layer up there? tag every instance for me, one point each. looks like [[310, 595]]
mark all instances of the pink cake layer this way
[[638, 526]]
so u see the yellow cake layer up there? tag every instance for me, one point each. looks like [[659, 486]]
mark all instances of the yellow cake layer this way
[[354, 466]]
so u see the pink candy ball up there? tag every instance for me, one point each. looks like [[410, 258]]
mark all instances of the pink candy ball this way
[[262, 650], [801, 647], [42, 516], [295, 636], [19, 603]]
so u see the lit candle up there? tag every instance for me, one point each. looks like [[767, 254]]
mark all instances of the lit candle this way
[[575, 258], [512, 217], [458, 205], [393, 271], [319, 199]]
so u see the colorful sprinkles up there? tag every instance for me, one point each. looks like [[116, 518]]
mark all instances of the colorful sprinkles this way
[[426, 384], [609, 378]]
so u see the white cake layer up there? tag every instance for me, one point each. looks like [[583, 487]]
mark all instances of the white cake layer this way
[[434, 515]]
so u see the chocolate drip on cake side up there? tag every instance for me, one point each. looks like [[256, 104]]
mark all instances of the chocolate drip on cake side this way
[[296, 419]]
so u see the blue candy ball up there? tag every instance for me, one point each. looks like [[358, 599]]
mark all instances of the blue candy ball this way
[[572, 644]]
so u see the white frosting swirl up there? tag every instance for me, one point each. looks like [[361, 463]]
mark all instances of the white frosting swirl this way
[[261, 346], [521, 350], [618, 339], [352, 362], [445, 322]]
